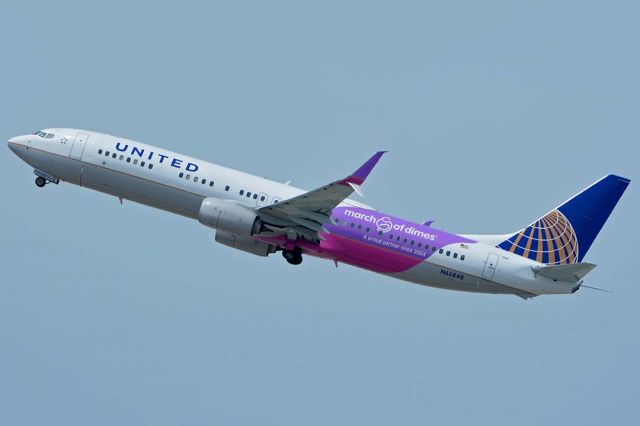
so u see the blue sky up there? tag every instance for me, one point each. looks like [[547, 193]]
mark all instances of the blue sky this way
[[493, 113]]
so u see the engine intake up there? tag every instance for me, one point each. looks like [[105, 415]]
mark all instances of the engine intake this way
[[228, 217]]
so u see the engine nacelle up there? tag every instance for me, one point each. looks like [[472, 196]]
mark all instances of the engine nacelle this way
[[228, 217], [247, 244]]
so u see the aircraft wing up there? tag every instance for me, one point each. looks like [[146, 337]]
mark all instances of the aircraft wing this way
[[306, 213]]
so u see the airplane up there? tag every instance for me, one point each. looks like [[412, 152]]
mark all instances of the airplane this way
[[261, 217]]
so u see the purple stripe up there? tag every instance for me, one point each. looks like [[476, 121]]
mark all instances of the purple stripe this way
[[390, 233], [374, 249]]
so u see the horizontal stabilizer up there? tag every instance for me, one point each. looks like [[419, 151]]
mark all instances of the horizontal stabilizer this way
[[571, 273]]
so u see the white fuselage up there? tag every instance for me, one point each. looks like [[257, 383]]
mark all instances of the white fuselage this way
[[179, 184]]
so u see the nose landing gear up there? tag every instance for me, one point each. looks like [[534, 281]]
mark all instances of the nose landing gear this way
[[44, 178], [294, 257]]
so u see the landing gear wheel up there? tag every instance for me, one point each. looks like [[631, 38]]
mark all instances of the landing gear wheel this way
[[40, 181], [294, 257]]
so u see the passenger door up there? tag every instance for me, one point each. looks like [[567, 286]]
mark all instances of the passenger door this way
[[490, 266], [79, 143]]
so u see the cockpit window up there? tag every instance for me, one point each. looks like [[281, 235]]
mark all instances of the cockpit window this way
[[44, 135]]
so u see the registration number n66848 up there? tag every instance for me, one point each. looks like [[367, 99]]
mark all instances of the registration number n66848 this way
[[452, 274]]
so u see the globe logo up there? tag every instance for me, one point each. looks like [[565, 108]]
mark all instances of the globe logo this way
[[550, 240], [384, 224]]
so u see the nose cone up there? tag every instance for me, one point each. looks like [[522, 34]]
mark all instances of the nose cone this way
[[17, 143], [13, 144]]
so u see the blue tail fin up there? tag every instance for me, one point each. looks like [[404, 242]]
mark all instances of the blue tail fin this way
[[565, 234]]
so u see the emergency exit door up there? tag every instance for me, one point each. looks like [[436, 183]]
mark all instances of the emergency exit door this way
[[262, 199]]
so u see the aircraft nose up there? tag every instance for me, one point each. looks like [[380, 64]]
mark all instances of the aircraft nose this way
[[14, 143]]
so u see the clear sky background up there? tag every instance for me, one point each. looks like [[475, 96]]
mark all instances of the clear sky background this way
[[493, 113]]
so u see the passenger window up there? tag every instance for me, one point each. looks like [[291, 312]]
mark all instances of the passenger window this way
[[226, 188], [187, 177], [150, 166], [262, 198], [106, 153], [203, 181], [404, 241], [135, 161], [398, 238], [367, 230], [100, 151], [114, 155], [211, 183], [419, 245], [380, 233], [195, 179], [242, 192], [359, 226], [440, 251], [142, 163], [412, 242], [455, 255], [128, 159], [448, 252], [181, 174], [255, 196], [121, 157], [462, 257], [352, 224], [391, 236]]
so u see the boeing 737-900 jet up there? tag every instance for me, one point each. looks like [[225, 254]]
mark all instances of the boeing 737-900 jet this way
[[261, 217]]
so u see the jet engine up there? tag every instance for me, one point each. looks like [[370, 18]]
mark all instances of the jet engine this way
[[234, 225], [247, 244], [229, 217]]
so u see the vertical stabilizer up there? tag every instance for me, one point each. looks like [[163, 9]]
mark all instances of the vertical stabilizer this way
[[565, 234]]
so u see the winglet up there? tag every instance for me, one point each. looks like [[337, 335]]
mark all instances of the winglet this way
[[358, 177]]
